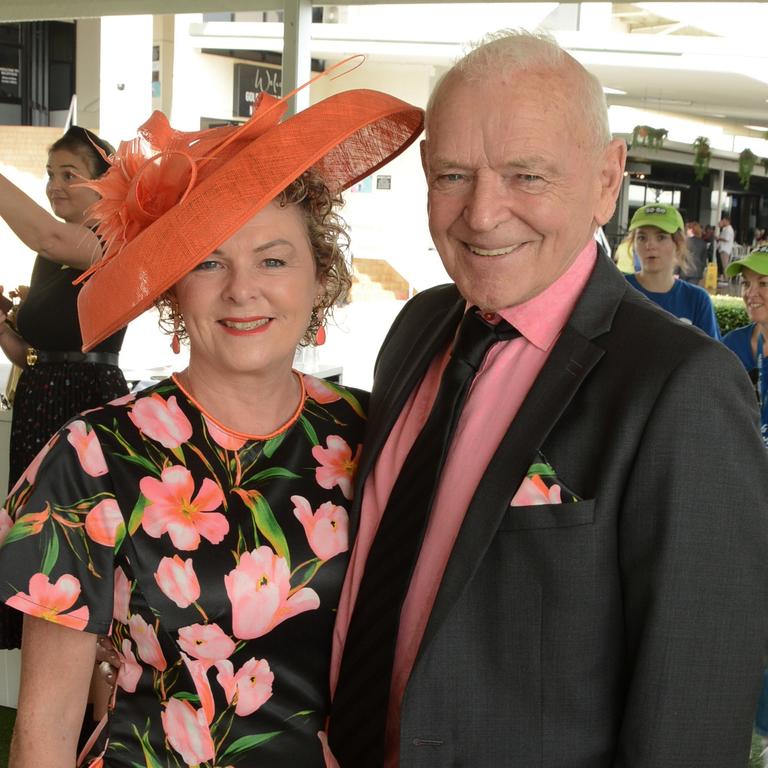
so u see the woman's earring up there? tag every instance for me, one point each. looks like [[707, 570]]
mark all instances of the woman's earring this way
[[175, 343], [317, 322]]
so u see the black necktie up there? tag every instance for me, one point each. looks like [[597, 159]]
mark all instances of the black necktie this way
[[359, 709]]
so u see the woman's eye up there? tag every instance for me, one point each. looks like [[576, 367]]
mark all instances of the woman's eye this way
[[272, 262], [206, 265], [528, 177]]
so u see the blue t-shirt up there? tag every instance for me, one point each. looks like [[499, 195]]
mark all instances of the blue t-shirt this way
[[685, 301], [739, 341]]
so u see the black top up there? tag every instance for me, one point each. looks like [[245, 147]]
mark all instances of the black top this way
[[47, 319]]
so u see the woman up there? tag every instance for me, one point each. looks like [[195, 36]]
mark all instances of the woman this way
[[748, 343], [204, 520], [57, 380], [697, 250], [657, 234]]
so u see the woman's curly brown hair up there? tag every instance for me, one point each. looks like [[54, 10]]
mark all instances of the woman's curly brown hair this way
[[328, 239]]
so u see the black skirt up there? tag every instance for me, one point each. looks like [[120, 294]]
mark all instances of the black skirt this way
[[47, 395]]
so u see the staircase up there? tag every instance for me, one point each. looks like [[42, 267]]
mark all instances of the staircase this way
[[376, 280]]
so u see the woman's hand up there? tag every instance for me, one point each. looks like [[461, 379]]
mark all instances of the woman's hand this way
[[107, 660]]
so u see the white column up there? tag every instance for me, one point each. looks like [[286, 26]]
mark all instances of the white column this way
[[126, 75], [297, 51]]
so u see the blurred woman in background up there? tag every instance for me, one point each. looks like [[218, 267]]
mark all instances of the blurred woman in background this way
[[657, 233]]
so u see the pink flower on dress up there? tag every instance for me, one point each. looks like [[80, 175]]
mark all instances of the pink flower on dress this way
[[187, 732], [320, 391], [226, 440], [534, 491], [259, 589], [88, 449], [121, 596], [327, 530], [104, 524], [172, 509], [161, 420], [251, 684], [147, 644], [124, 400], [208, 642], [48, 601], [6, 523], [337, 466], [130, 670], [177, 580], [198, 671]]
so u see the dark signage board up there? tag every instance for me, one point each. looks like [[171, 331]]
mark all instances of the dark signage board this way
[[10, 79], [252, 79]]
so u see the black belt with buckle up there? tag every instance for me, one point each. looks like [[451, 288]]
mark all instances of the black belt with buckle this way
[[35, 356]]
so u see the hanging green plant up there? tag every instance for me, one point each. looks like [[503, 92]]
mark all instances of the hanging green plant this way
[[747, 161], [701, 157], [764, 163]]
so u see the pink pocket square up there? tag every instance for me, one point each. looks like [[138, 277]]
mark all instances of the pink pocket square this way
[[541, 486]]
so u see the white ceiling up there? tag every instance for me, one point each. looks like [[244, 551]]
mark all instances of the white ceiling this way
[[705, 59]]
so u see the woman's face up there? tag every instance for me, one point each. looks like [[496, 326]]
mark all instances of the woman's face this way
[[656, 250], [248, 304], [754, 291], [66, 169]]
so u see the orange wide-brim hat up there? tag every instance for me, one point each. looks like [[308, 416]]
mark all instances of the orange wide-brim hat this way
[[170, 198]]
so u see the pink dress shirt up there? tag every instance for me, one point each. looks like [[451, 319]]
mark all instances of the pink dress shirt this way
[[504, 379]]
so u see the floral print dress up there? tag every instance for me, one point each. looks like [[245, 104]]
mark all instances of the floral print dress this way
[[213, 559]]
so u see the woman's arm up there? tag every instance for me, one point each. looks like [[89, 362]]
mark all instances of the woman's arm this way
[[14, 347], [56, 667], [70, 244]]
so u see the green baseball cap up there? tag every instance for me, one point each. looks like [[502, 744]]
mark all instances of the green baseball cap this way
[[757, 261], [665, 217]]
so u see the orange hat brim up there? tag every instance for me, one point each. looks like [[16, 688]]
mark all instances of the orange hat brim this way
[[346, 137]]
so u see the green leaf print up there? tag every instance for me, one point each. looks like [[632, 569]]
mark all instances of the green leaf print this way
[[51, 553], [137, 514], [269, 474], [347, 396], [268, 527], [142, 462], [543, 470], [309, 429], [246, 743], [272, 445]]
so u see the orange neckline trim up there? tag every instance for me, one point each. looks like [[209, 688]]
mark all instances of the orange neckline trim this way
[[245, 435]]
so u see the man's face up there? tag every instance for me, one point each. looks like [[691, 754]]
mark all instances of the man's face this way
[[516, 186]]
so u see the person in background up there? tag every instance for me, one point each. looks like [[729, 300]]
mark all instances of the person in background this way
[[697, 253], [57, 380], [204, 520], [749, 344], [657, 233], [725, 240], [582, 580]]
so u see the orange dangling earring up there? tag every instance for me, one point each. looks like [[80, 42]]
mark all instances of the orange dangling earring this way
[[175, 343], [318, 320]]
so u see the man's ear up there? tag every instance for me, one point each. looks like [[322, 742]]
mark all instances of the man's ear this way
[[610, 177], [423, 150]]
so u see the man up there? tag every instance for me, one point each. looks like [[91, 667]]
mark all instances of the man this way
[[725, 243], [590, 588]]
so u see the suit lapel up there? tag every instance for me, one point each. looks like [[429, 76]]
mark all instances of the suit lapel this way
[[572, 358]]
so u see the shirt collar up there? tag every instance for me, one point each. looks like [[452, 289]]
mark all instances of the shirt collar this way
[[541, 319]]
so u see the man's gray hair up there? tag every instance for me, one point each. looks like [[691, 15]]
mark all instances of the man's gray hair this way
[[519, 49]]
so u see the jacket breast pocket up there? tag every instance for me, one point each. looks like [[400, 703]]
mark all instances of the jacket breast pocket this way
[[548, 516]]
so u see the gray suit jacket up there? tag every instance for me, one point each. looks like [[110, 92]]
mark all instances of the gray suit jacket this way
[[627, 628]]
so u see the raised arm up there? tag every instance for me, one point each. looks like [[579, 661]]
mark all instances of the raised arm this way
[[53, 695], [72, 244]]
